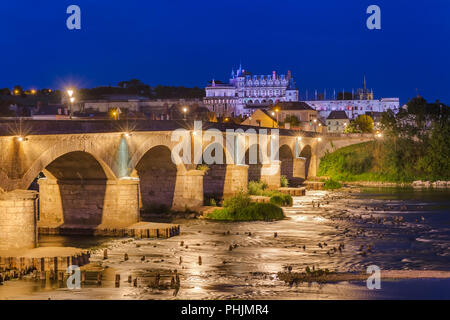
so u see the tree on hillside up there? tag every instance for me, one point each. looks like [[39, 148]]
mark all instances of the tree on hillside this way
[[362, 124]]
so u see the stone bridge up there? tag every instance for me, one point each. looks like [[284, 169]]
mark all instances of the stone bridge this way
[[95, 173]]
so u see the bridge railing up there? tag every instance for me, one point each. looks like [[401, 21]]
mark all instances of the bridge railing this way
[[41, 127]]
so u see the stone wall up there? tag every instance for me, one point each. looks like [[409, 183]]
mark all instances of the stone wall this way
[[188, 190], [236, 180], [254, 172], [88, 203], [18, 220], [270, 174], [214, 180], [158, 186]]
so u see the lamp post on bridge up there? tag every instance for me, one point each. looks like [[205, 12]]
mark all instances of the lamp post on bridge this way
[[71, 99]]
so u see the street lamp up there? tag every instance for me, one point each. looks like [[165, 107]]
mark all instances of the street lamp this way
[[276, 110], [184, 111], [71, 99]]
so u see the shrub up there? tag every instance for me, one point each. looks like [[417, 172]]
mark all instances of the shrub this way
[[281, 199], [331, 184], [256, 188], [254, 211], [259, 188], [239, 201], [284, 181]]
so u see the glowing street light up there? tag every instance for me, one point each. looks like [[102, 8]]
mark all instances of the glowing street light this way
[[71, 99], [299, 138], [277, 110], [184, 111], [21, 139], [319, 139]]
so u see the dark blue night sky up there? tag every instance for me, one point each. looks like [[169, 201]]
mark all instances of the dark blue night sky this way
[[324, 43]]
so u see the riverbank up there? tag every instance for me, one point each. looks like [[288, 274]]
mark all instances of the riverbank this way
[[369, 164], [414, 184]]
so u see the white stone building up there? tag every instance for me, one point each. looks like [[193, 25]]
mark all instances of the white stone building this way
[[354, 108], [361, 102], [245, 92]]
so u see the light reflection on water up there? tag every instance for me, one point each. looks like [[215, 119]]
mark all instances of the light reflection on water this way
[[420, 241]]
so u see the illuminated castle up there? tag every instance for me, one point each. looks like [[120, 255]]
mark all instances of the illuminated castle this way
[[245, 92]]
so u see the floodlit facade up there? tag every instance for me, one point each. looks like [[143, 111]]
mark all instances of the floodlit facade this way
[[246, 92]]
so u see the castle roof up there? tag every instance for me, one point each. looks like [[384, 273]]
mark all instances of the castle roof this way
[[338, 115]]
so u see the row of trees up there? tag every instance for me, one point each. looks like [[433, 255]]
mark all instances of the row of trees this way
[[137, 87], [130, 87]]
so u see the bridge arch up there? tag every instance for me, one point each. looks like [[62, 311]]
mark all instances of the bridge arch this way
[[73, 191], [147, 145], [158, 177], [56, 151]]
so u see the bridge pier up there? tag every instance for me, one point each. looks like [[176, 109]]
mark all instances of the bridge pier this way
[[236, 179], [18, 220], [270, 174], [313, 166], [299, 168], [88, 203], [188, 190]]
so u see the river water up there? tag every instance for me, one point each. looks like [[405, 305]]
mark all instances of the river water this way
[[395, 229]]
